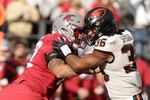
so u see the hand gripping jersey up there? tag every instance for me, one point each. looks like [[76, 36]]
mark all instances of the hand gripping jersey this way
[[36, 79], [121, 78]]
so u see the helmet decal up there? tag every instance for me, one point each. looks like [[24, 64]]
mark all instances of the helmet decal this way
[[98, 13], [66, 23], [68, 18]]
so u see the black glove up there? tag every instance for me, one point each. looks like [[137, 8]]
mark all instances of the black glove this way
[[51, 56], [73, 46], [61, 47]]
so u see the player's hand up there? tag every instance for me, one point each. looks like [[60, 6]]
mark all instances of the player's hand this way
[[61, 47]]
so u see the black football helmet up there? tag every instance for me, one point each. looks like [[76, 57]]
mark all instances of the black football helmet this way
[[101, 21]]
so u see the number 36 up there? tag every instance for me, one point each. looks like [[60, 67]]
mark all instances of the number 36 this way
[[100, 42]]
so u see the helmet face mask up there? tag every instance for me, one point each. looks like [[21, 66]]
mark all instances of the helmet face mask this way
[[67, 24], [91, 34]]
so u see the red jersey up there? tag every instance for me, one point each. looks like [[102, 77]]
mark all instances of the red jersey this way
[[37, 75]]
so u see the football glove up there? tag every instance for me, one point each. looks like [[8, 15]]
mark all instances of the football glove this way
[[61, 47]]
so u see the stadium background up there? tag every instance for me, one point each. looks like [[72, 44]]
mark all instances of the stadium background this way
[[23, 22]]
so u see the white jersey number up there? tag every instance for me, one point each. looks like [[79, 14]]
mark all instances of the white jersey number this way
[[38, 45]]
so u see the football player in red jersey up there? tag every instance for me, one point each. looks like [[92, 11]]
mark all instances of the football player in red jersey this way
[[45, 71], [113, 52]]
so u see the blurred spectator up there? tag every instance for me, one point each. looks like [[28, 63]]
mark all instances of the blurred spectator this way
[[4, 54], [83, 87], [3, 23], [76, 88], [142, 23], [20, 17], [16, 64], [1, 36], [44, 6], [5, 2], [76, 6], [107, 4], [63, 6], [2, 15], [125, 11], [88, 3], [144, 70], [96, 91]]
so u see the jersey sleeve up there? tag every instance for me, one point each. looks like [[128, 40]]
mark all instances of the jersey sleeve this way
[[105, 44], [43, 46]]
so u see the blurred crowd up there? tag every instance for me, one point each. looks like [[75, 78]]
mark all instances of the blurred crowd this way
[[23, 22]]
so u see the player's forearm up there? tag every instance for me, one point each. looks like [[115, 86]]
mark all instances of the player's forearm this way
[[60, 69], [85, 63], [73, 62], [68, 72], [78, 64]]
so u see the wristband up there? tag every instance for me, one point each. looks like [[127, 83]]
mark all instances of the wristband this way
[[65, 50]]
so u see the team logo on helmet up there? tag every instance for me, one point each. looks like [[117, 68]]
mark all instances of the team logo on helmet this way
[[98, 13], [68, 18]]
